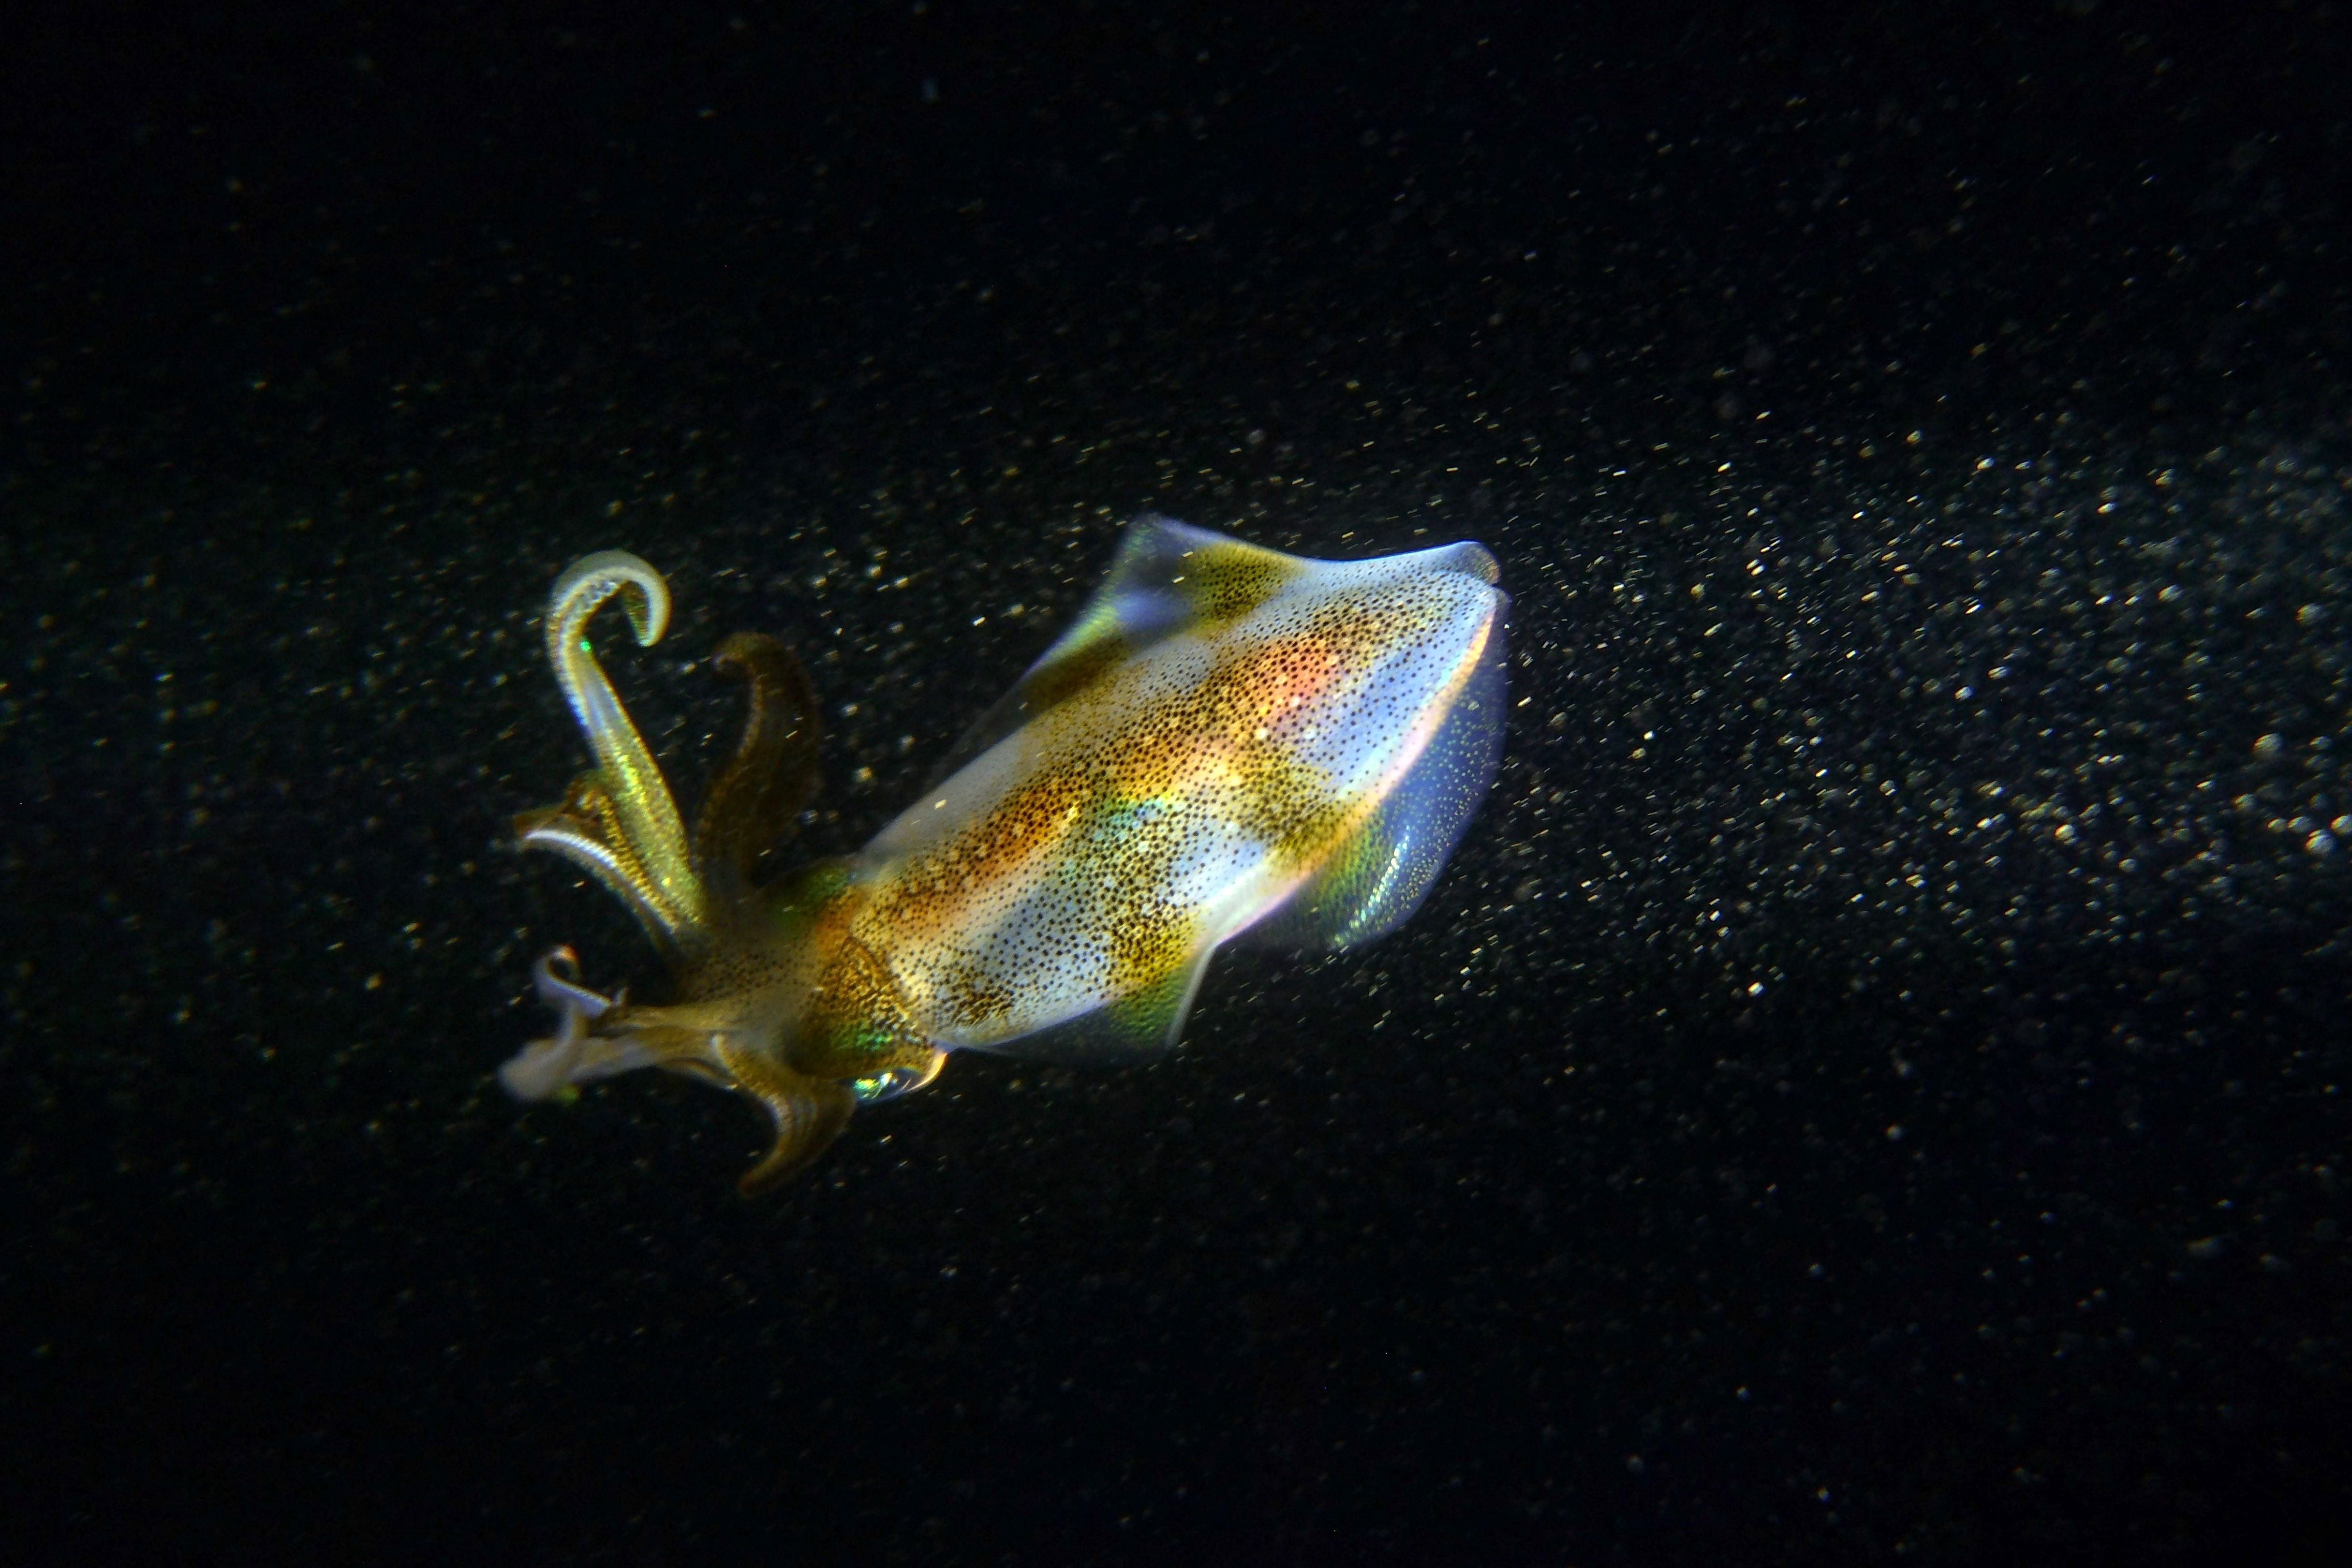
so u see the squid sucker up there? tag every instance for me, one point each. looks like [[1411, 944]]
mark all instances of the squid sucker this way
[[1229, 741]]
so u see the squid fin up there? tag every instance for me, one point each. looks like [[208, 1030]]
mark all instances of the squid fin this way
[[1169, 578], [1138, 1026], [1372, 883]]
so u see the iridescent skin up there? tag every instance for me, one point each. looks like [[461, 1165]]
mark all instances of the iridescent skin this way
[[1228, 741]]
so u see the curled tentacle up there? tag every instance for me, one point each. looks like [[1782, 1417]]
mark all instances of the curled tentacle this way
[[630, 829], [772, 777], [544, 1069], [564, 992]]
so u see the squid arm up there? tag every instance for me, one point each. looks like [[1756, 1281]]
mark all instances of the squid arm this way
[[553, 1068], [772, 776], [620, 823]]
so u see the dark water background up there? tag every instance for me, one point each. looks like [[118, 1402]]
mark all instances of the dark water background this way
[[1876, 1082]]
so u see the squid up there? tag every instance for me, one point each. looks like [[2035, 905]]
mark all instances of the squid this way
[[1230, 743]]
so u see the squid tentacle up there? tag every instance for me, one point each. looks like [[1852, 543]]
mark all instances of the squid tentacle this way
[[772, 776], [584, 827], [545, 1070], [641, 838], [808, 1112]]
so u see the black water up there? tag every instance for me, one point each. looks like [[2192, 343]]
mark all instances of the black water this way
[[1875, 1083]]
